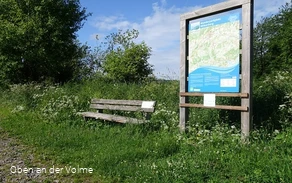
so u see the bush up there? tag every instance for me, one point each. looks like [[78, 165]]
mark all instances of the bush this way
[[126, 60], [211, 151], [272, 102], [129, 65]]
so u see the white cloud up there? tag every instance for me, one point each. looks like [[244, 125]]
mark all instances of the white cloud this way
[[112, 22], [264, 8], [161, 30]]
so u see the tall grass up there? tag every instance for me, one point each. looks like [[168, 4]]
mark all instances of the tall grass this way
[[43, 117]]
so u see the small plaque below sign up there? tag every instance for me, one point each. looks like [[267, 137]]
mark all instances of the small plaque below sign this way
[[210, 100], [147, 104]]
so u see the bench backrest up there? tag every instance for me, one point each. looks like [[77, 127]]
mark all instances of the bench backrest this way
[[123, 105]]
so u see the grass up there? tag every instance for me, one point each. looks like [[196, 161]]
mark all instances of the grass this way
[[155, 152], [129, 154]]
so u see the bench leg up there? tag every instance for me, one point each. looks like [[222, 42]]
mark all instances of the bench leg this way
[[147, 116]]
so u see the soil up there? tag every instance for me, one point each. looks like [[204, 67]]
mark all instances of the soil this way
[[15, 157]]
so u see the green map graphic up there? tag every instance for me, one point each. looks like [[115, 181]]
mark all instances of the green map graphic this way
[[216, 45]]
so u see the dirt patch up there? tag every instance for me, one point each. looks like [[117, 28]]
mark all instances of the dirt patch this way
[[18, 164]]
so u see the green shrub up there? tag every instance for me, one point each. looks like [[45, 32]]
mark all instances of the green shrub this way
[[211, 150], [126, 60], [130, 65], [271, 103]]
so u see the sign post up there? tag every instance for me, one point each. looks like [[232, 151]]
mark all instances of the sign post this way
[[210, 58]]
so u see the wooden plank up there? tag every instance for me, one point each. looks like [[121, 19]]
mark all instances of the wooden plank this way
[[120, 102], [226, 107], [115, 107], [242, 95], [217, 8], [109, 117], [246, 69], [121, 107], [183, 114]]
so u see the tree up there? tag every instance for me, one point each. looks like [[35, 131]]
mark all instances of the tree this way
[[126, 60], [284, 38], [90, 63], [264, 34], [273, 42], [38, 39]]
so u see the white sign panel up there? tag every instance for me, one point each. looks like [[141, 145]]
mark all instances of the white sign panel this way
[[209, 100], [147, 104]]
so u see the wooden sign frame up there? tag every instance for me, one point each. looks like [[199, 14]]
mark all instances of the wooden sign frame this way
[[246, 63]]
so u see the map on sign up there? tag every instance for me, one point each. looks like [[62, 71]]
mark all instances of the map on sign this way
[[214, 53]]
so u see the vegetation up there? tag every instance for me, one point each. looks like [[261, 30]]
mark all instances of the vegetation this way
[[126, 60], [211, 151], [38, 40], [43, 115], [273, 43]]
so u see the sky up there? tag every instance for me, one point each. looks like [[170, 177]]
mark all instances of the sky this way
[[158, 23]]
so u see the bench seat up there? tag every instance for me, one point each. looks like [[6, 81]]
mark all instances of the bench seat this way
[[146, 107], [110, 117]]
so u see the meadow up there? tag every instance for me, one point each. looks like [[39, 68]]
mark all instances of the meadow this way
[[43, 117]]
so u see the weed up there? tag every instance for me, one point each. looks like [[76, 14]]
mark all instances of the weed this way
[[211, 151]]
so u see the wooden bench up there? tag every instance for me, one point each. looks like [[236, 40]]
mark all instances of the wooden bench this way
[[146, 107]]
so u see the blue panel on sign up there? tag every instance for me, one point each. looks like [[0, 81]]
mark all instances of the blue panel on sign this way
[[214, 53]]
